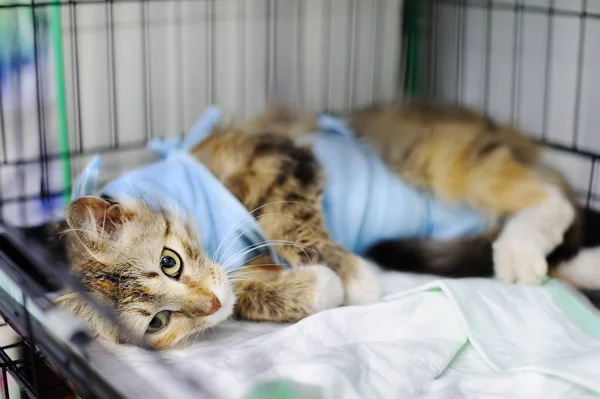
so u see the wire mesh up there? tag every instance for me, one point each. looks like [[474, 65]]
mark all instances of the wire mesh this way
[[530, 62], [133, 70]]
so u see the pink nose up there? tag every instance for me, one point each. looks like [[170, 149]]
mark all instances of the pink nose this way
[[215, 305], [203, 305]]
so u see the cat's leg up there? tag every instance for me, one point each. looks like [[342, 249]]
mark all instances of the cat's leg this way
[[538, 213], [529, 236], [282, 185], [273, 293], [298, 228], [466, 158], [582, 271], [462, 165]]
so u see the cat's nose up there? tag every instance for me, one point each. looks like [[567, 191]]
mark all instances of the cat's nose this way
[[203, 303], [207, 305], [215, 304]]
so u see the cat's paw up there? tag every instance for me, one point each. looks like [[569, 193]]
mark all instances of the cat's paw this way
[[329, 290], [519, 262], [362, 287]]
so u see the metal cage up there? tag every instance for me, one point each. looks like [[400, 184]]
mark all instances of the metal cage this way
[[530, 62], [80, 77]]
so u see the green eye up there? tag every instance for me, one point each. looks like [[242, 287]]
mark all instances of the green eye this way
[[170, 263], [159, 321]]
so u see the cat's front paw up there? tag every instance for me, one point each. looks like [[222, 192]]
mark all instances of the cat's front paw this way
[[519, 262], [362, 285], [329, 289]]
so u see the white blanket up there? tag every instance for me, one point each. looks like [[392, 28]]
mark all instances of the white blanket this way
[[442, 339]]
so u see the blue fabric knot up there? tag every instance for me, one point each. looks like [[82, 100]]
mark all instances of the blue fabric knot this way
[[199, 132], [333, 124], [228, 232], [87, 181]]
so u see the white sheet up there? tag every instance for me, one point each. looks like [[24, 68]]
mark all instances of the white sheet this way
[[443, 339]]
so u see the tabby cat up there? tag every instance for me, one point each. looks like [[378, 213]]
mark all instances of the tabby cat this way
[[149, 267]]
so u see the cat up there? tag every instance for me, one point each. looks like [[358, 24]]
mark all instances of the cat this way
[[485, 254], [149, 267], [463, 156]]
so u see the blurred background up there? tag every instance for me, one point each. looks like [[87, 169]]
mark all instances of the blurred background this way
[[132, 70], [95, 76], [106, 76]]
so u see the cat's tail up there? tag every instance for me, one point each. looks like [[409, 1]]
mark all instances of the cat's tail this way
[[461, 257], [472, 257]]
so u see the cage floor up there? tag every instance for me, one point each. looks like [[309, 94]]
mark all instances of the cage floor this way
[[416, 340]]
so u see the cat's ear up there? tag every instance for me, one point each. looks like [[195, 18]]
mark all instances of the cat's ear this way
[[96, 218]]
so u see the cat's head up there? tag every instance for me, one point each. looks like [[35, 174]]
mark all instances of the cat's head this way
[[148, 267]]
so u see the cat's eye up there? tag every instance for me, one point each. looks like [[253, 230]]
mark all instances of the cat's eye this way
[[159, 321], [170, 263]]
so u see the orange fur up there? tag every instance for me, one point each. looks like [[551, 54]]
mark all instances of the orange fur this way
[[459, 155], [450, 165], [167, 339], [277, 294]]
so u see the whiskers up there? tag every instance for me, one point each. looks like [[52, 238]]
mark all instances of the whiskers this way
[[265, 244], [242, 223], [198, 334], [237, 274], [244, 277], [70, 230], [218, 255]]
